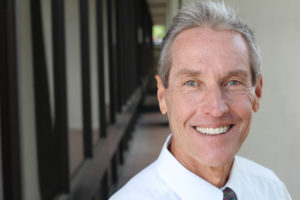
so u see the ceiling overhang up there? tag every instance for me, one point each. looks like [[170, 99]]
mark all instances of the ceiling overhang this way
[[158, 10]]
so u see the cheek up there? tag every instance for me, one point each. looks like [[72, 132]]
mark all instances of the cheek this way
[[180, 108], [243, 99], [243, 93], [242, 108]]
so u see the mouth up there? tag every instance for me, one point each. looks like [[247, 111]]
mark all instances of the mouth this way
[[213, 131]]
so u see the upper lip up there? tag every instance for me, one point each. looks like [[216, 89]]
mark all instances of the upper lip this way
[[213, 125]]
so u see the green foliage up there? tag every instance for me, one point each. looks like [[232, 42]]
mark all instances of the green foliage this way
[[158, 31]]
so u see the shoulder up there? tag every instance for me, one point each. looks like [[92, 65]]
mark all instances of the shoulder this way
[[260, 180], [256, 170], [147, 184]]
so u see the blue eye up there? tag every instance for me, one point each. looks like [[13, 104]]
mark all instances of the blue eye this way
[[191, 83], [233, 82]]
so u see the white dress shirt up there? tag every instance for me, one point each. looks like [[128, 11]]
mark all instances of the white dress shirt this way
[[168, 179]]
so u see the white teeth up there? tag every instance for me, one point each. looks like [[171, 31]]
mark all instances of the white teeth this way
[[213, 131]]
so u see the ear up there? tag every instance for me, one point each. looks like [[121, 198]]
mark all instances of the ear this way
[[258, 94], [161, 90]]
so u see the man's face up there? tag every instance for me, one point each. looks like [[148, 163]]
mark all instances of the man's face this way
[[210, 97]]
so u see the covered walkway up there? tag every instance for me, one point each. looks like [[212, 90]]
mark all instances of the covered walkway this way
[[149, 135], [78, 110]]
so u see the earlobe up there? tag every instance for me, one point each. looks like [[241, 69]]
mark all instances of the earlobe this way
[[255, 105], [258, 94], [161, 95]]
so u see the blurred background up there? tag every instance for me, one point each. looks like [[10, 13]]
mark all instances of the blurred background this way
[[79, 114]]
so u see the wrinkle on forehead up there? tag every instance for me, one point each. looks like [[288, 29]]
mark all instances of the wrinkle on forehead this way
[[210, 36], [197, 47], [196, 73], [204, 37]]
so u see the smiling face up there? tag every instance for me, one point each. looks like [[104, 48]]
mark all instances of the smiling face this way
[[210, 97]]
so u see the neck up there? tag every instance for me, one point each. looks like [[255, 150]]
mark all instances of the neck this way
[[217, 176]]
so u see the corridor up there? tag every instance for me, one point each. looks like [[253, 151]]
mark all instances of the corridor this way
[[148, 137], [79, 115]]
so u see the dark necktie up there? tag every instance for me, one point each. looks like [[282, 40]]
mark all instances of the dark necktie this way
[[228, 194]]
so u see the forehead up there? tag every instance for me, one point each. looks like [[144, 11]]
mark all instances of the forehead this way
[[205, 47]]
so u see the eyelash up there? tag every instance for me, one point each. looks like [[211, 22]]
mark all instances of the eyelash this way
[[233, 84], [191, 83]]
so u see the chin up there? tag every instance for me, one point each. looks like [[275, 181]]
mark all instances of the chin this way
[[216, 159]]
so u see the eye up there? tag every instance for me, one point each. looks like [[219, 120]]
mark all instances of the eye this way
[[233, 83], [191, 83]]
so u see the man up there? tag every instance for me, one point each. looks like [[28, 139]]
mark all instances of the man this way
[[209, 84]]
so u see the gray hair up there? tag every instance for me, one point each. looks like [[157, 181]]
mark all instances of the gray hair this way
[[215, 15]]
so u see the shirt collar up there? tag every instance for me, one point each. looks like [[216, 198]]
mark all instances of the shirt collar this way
[[234, 181], [183, 182]]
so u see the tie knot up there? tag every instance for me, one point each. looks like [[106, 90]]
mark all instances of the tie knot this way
[[228, 194]]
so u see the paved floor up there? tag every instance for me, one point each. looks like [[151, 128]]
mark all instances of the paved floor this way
[[150, 133]]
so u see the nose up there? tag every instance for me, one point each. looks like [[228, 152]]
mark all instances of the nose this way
[[214, 103]]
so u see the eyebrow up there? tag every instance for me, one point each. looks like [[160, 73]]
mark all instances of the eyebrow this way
[[238, 72], [188, 72]]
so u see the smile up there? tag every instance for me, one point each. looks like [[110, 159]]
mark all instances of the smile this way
[[213, 131]]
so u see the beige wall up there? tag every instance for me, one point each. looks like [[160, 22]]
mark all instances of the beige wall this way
[[171, 11], [275, 134], [30, 180], [274, 139], [73, 61], [26, 102], [93, 64]]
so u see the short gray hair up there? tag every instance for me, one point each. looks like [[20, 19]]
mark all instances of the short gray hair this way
[[215, 15]]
